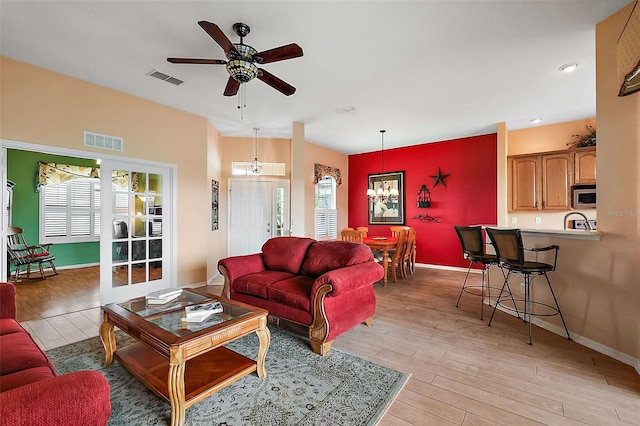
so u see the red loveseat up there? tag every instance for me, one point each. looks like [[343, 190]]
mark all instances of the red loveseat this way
[[31, 393], [315, 288]]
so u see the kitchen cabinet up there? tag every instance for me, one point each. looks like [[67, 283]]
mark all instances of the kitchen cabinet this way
[[525, 186], [556, 181], [584, 165], [541, 181]]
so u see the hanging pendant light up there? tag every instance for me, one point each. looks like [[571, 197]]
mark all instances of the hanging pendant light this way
[[255, 164], [383, 193]]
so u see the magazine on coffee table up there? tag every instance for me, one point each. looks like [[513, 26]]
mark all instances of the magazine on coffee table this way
[[200, 312]]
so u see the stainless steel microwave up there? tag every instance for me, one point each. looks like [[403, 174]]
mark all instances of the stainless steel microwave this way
[[584, 197]]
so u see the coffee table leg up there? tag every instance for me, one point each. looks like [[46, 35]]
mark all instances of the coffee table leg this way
[[108, 337], [264, 335], [176, 393]]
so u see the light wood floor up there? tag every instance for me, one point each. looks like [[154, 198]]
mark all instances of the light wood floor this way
[[463, 372]]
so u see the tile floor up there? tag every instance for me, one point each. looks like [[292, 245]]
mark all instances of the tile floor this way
[[61, 330]]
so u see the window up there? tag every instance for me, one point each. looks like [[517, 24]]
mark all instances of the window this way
[[326, 213], [70, 211]]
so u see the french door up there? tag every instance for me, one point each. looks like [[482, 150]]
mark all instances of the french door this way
[[134, 248], [258, 210]]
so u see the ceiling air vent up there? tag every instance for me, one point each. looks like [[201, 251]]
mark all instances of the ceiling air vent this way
[[164, 77], [103, 141]]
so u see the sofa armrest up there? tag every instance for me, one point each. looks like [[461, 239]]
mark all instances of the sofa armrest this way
[[349, 278], [237, 266], [7, 300], [78, 398]]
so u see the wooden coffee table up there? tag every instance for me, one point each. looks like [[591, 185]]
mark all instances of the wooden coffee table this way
[[182, 362]]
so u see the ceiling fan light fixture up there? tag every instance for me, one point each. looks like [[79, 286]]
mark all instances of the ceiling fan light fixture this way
[[242, 70]]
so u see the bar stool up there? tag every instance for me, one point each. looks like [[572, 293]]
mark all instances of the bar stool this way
[[473, 250], [510, 250]]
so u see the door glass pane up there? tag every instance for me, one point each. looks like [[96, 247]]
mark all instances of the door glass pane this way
[[137, 218]]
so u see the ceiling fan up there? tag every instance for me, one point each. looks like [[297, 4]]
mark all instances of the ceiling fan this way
[[243, 59]]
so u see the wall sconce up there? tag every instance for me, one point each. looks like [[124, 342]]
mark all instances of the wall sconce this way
[[424, 197]]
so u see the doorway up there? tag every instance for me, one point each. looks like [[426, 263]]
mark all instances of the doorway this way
[[154, 247], [258, 210]]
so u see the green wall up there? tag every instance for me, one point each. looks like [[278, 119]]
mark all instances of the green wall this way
[[22, 169]]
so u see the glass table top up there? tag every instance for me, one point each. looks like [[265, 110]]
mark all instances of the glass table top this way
[[170, 316]]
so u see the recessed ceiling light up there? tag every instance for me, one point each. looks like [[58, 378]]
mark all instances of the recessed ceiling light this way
[[569, 67], [536, 120]]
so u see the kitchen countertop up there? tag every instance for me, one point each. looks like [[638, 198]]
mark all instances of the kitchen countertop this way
[[576, 234]]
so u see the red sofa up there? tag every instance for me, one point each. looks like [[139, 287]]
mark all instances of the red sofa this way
[[315, 288], [31, 393]]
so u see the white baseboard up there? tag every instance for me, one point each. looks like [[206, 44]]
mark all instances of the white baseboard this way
[[584, 341], [84, 265]]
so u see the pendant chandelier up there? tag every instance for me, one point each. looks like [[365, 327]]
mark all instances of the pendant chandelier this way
[[384, 192], [255, 164]]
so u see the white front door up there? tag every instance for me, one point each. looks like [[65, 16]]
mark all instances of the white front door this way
[[134, 248], [258, 210], [250, 216]]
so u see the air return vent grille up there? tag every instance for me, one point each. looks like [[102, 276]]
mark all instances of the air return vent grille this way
[[164, 77], [103, 141]]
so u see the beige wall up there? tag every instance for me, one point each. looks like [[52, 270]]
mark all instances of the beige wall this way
[[317, 154], [279, 151], [552, 137], [46, 108], [598, 282]]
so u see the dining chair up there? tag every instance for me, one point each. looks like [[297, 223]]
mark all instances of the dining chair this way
[[398, 228], [364, 229], [408, 258], [511, 255], [352, 235], [397, 257]]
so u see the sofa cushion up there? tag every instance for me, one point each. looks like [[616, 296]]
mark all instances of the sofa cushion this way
[[256, 284], [285, 253], [9, 325], [24, 377], [325, 256], [19, 352], [294, 292]]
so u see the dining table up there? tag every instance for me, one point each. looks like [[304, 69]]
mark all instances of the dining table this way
[[384, 244]]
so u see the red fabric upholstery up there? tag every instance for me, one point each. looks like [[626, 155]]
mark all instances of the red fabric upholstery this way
[[19, 352], [257, 284], [24, 377], [9, 325], [7, 300], [277, 309], [285, 253], [79, 398], [325, 256], [294, 292], [30, 391], [301, 275]]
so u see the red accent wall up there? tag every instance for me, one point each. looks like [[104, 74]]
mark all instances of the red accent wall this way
[[470, 196]]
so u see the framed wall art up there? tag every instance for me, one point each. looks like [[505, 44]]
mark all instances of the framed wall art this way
[[215, 187], [387, 206]]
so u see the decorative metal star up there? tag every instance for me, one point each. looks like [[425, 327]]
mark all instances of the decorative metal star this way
[[439, 178]]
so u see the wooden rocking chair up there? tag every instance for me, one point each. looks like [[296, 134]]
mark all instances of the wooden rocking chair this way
[[22, 254]]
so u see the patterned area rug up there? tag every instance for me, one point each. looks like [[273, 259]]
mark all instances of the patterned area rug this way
[[301, 388]]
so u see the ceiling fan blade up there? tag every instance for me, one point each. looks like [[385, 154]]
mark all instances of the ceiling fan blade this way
[[276, 83], [232, 87], [196, 61], [281, 53], [216, 33]]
